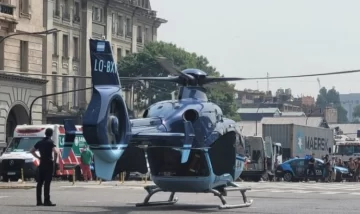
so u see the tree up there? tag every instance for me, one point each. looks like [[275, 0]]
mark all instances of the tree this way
[[356, 113], [143, 63], [331, 98]]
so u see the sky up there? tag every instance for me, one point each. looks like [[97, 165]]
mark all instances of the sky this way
[[248, 38]]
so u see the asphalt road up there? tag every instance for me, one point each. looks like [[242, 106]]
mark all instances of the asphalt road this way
[[113, 197]]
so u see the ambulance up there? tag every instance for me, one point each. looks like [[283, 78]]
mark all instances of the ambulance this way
[[17, 161]]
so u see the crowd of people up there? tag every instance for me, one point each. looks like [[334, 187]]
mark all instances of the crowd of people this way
[[329, 174]]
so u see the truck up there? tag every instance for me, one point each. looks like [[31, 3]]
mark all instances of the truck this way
[[346, 147], [17, 162], [299, 140], [263, 155]]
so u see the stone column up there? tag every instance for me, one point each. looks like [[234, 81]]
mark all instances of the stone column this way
[[108, 30], [85, 67], [47, 51], [134, 35]]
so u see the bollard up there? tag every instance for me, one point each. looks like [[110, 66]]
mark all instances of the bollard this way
[[73, 177], [122, 177], [22, 175]]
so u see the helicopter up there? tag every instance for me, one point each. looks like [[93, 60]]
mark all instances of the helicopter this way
[[191, 146]]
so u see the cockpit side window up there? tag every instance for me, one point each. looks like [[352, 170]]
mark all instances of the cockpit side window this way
[[161, 110]]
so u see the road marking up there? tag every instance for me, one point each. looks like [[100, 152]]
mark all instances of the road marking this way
[[3, 196], [89, 201], [302, 191], [331, 193]]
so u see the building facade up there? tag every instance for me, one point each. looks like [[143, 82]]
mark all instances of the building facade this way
[[127, 24], [348, 102], [20, 53]]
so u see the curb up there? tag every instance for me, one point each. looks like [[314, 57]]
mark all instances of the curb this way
[[17, 187]]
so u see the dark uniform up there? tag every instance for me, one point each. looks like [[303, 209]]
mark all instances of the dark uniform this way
[[45, 169], [311, 168]]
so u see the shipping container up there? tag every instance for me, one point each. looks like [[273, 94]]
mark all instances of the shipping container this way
[[297, 140]]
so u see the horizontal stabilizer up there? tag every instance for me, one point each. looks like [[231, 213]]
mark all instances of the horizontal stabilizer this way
[[70, 134]]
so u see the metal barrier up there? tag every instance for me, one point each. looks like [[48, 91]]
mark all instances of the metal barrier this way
[[22, 176], [73, 177]]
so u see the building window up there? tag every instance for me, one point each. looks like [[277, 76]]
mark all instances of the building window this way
[[119, 54], [66, 11], [127, 52], [113, 23], [54, 87], [24, 56], [55, 44], [76, 93], [76, 12], [139, 34], [25, 8], [128, 27], [65, 46], [65, 87], [146, 34], [57, 8], [76, 48], [97, 14], [120, 26]]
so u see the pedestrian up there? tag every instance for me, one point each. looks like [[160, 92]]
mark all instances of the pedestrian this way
[[333, 165], [311, 167], [326, 168], [46, 148], [351, 166], [86, 158]]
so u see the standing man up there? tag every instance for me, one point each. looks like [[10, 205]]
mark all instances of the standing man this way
[[86, 157], [311, 167], [46, 147]]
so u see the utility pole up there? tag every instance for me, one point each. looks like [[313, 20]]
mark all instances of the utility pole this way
[[267, 81]]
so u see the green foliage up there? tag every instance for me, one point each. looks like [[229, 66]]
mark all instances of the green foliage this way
[[144, 64], [356, 112], [331, 98]]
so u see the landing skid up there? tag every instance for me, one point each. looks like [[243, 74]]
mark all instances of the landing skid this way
[[152, 189], [234, 187]]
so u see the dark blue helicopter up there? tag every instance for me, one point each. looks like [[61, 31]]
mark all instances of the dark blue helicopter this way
[[190, 145]]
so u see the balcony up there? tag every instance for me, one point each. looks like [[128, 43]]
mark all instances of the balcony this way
[[128, 34], [66, 16], [76, 18], [56, 13], [120, 33], [7, 9]]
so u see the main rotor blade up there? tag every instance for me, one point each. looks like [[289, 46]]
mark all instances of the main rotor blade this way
[[166, 79], [304, 75], [221, 79], [207, 80], [168, 65]]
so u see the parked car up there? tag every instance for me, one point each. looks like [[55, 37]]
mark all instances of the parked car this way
[[295, 170]]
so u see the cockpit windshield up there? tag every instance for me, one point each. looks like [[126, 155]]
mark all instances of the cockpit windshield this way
[[22, 144]]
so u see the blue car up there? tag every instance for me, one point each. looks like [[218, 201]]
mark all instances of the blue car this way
[[295, 170]]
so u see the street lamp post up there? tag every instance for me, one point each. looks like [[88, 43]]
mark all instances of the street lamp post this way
[[256, 121], [48, 95], [46, 32]]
